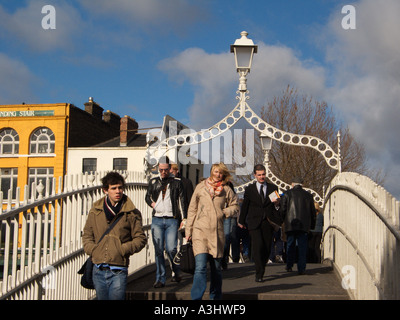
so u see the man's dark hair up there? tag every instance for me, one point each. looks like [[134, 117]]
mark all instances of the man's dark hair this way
[[112, 178], [259, 167], [164, 160]]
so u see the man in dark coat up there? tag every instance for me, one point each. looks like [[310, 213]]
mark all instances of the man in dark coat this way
[[259, 211], [298, 213]]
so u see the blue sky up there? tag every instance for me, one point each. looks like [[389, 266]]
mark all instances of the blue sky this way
[[148, 58]]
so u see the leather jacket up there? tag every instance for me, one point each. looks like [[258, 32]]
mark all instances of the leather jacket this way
[[179, 205], [297, 210]]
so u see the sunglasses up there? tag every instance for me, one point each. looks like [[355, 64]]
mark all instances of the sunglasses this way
[[163, 170]]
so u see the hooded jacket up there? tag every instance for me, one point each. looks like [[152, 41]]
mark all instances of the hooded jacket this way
[[126, 237]]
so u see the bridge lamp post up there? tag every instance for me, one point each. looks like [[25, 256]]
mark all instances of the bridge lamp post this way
[[244, 49], [266, 145]]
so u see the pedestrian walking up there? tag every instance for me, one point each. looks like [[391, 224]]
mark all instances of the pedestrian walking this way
[[111, 255], [212, 200], [298, 212]]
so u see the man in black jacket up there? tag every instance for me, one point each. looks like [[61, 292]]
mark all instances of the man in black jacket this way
[[258, 211], [298, 213], [165, 195]]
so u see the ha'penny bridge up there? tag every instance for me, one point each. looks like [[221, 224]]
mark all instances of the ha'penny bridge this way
[[41, 246]]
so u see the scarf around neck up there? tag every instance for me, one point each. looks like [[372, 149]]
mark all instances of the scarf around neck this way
[[110, 210], [214, 188]]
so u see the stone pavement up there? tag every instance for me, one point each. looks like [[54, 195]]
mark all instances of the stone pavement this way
[[319, 283]]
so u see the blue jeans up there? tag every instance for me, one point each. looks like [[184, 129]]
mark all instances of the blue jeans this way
[[109, 284], [302, 243], [277, 245], [200, 277], [231, 240], [165, 233]]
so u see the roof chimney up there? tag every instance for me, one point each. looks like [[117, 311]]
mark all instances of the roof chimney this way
[[112, 118], [94, 109], [128, 129]]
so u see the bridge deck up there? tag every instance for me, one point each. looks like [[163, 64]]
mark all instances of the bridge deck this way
[[319, 283]]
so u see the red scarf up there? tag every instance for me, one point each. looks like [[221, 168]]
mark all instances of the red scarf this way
[[214, 188]]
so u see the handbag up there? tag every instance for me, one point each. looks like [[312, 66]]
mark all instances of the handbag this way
[[185, 258], [87, 268]]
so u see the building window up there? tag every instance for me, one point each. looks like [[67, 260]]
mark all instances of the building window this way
[[9, 141], [42, 141], [89, 165], [41, 174], [120, 164], [8, 180]]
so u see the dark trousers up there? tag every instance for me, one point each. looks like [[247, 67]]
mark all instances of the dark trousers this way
[[299, 237], [261, 240]]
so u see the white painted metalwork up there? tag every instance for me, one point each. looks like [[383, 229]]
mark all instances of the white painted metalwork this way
[[362, 236], [243, 110], [41, 247]]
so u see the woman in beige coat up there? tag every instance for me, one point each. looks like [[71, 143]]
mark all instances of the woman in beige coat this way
[[212, 200]]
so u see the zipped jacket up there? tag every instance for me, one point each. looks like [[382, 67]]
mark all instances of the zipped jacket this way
[[179, 205]]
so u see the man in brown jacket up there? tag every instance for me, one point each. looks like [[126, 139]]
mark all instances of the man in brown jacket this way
[[111, 255]]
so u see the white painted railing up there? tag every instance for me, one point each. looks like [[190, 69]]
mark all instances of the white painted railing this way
[[362, 238], [41, 247]]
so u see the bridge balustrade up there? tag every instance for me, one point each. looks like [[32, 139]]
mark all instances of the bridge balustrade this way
[[41, 246], [361, 236]]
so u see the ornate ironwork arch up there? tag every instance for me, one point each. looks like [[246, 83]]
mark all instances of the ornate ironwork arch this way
[[243, 110]]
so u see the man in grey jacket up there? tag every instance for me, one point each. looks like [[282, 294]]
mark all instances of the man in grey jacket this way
[[298, 213]]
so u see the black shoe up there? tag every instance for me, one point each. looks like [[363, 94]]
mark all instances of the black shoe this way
[[288, 269], [301, 272], [259, 279], [159, 284], [176, 279]]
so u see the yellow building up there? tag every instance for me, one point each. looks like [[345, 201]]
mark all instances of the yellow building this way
[[34, 139]]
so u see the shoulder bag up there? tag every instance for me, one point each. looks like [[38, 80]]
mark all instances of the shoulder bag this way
[[87, 268]]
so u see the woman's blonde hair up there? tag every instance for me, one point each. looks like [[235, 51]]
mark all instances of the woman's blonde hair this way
[[224, 170]]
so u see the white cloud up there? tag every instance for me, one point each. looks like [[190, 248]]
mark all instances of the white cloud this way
[[25, 25], [146, 15], [366, 73], [16, 82], [215, 80]]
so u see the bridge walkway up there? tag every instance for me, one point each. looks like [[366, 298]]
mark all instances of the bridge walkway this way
[[320, 282]]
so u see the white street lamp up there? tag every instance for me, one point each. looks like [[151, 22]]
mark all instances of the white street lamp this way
[[266, 144], [244, 49]]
